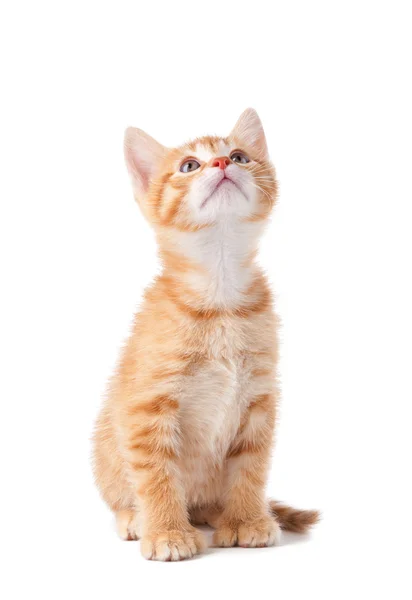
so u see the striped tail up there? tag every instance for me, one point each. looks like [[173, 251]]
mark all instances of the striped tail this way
[[291, 519]]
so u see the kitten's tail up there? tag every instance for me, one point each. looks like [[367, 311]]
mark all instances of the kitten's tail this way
[[291, 519]]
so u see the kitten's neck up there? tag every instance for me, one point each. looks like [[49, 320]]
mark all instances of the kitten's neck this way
[[213, 267]]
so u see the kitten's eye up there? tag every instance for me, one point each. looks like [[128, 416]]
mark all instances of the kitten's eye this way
[[189, 165], [239, 157]]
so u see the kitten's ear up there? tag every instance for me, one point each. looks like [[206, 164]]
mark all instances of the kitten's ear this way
[[249, 132], [142, 154]]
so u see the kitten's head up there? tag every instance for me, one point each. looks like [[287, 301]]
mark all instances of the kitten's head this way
[[205, 181]]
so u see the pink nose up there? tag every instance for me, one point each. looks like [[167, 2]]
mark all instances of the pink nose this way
[[222, 162]]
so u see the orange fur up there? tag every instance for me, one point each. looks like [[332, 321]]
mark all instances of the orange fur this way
[[186, 431]]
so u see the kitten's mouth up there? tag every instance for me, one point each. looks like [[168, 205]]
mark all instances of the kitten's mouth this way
[[222, 181], [225, 180]]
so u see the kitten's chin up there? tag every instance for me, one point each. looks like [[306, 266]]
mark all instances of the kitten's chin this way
[[225, 191], [227, 202]]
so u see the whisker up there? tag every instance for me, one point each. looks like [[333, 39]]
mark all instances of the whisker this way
[[263, 192], [266, 177]]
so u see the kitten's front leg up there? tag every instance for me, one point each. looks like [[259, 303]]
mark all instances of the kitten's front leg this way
[[152, 449], [245, 520]]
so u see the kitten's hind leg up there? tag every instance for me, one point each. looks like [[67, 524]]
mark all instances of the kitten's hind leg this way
[[128, 524]]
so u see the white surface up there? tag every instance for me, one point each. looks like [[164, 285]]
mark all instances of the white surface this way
[[331, 82]]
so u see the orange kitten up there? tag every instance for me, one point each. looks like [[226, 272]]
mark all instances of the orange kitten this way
[[186, 431]]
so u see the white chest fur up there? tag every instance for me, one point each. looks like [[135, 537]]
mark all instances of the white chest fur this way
[[212, 402]]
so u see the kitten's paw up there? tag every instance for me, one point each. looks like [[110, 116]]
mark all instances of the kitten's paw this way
[[128, 525], [248, 534], [173, 545]]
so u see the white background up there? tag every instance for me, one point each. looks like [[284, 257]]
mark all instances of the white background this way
[[332, 84]]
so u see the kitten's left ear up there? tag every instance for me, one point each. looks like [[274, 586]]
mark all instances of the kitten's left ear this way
[[249, 132]]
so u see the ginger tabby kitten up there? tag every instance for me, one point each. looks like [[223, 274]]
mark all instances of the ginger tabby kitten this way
[[186, 431]]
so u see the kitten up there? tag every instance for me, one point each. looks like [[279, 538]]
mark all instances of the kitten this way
[[186, 431]]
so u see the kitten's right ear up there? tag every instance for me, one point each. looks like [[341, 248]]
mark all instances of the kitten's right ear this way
[[142, 154], [249, 131]]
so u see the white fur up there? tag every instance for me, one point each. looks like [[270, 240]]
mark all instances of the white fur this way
[[221, 251]]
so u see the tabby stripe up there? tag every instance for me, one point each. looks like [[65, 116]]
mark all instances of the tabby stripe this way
[[159, 405]]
